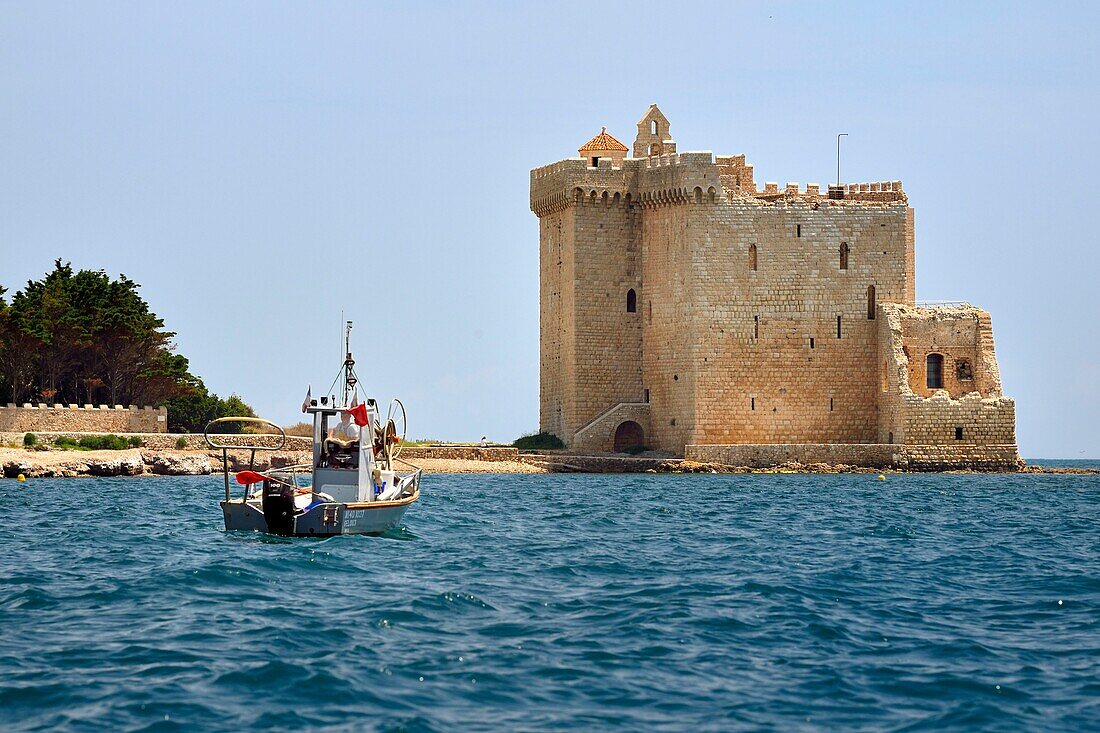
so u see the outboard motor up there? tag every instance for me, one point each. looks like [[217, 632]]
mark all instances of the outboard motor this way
[[279, 509]]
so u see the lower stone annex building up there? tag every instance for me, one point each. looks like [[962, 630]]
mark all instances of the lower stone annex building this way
[[684, 309]]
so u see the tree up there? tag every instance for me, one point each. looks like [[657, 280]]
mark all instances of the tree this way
[[82, 336]]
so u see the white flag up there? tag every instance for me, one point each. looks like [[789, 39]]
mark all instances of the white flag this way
[[309, 396]]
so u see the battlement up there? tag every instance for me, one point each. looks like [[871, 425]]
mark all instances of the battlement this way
[[879, 192], [667, 178]]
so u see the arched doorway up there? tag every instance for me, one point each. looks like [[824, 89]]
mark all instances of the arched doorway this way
[[629, 435]]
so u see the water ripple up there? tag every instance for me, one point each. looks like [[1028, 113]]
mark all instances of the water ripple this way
[[561, 602]]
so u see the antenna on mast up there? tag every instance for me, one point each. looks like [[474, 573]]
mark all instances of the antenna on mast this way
[[349, 364]]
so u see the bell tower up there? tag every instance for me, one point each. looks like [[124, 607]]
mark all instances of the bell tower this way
[[653, 135]]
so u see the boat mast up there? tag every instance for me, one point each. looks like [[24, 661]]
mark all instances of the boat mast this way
[[349, 364]]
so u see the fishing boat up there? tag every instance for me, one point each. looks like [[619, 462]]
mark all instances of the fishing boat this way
[[357, 483]]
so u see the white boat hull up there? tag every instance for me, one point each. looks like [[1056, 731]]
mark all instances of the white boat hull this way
[[321, 519]]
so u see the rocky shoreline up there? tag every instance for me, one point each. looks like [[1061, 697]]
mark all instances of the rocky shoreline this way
[[145, 462]]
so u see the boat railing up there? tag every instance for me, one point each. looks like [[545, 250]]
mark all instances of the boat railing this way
[[417, 471], [252, 448]]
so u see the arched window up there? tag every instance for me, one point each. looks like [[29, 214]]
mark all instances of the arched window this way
[[752, 257], [843, 255], [653, 127], [631, 301], [870, 302], [934, 371]]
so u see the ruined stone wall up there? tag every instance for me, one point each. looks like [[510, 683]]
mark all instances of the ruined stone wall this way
[[953, 336], [955, 415], [83, 419]]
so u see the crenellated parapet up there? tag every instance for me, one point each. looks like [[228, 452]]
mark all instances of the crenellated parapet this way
[[690, 177], [557, 186], [43, 417], [672, 178]]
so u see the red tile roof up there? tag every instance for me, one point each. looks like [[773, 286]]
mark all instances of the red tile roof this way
[[603, 141]]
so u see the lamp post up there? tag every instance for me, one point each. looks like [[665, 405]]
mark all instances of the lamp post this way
[[843, 134]]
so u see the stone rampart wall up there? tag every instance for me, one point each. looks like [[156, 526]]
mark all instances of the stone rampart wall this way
[[83, 419], [874, 455], [459, 453], [870, 455]]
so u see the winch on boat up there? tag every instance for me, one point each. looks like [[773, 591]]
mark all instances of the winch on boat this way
[[359, 484]]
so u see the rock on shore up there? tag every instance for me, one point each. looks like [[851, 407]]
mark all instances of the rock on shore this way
[[45, 464], [177, 464]]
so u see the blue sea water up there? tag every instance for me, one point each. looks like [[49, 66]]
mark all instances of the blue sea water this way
[[575, 602]]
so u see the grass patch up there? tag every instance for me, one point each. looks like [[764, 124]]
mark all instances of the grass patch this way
[[538, 441]]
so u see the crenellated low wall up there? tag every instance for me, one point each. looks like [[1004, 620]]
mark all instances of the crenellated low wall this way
[[82, 419]]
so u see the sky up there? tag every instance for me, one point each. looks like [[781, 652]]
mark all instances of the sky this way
[[263, 168]]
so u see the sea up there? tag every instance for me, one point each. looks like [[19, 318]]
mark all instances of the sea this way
[[561, 603]]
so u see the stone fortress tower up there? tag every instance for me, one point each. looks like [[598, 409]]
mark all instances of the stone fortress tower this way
[[684, 309]]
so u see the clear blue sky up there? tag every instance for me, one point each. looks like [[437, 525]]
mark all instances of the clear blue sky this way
[[260, 166]]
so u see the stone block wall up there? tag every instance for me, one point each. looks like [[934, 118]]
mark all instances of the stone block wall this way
[[874, 455], [83, 419], [788, 350], [608, 337], [767, 456], [459, 453]]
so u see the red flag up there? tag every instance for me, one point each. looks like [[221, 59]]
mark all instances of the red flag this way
[[359, 415], [247, 478]]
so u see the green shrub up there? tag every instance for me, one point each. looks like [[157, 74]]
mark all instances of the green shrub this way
[[104, 442], [97, 442], [539, 441], [181, 443], [30, 440]]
